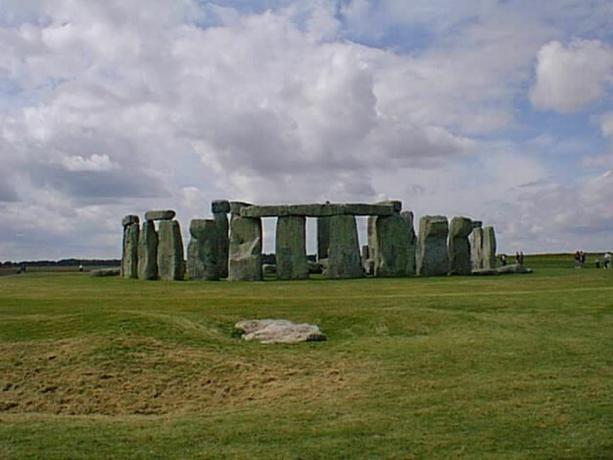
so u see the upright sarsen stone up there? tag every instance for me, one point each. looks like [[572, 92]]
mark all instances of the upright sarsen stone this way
[[344, 259], [476, 247], [292, 263], [245, 252], [203, 250], [393, 246], [489, 248], [129, 255], [148, 252], [323, 237], [171, 265], [432, 257], [459, 247], [412, 249]]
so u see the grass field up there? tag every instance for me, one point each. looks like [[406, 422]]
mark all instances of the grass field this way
[[479, 367]]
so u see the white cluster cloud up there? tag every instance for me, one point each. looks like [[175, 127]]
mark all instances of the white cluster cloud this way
[[568, 78]]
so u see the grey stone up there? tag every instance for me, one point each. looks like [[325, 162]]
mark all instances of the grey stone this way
[[395, 204], [393, 246], [459, 247], [236, 206], [171, 265], [344, 254], [318, 210], [269, 269], [489, 248], [102, 272], [166, 214], [245, 253], [203, 250], [408, 216], [476, 248], [323, 237], [223, 240], [432, 257], [315, 267], [477, 224], [278, 331], [148, 252], [291, 248], [222, 206], [513, 269], [129, 219], [484, 272], [129, 258]]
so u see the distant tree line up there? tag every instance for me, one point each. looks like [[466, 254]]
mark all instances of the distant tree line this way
[[64, 263]]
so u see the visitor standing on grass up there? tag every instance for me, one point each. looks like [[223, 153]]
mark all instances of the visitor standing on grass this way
[[607, 260]]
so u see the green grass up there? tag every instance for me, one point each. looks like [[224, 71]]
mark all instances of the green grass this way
[[479, 367]]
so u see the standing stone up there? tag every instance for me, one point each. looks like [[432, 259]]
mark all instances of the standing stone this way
[[323, 237], [292, 263], [432, 257], [148, 252], [344, 250], [392, 245], [412, 250], [129, 256], [203, 250], [459, 247], [476, 248], [245, 252], [171, 265], [489, 248]]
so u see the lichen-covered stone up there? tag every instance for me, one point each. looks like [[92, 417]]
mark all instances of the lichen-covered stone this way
[[148, 252], [223, 242], [323, 237], [203, 250], [489, 248], [344, 259], [459, 247], [171, 263], [237, 206], [319, 210], [393, 246], [166, 214], [129, 219], [290, 248], [410, 219], [278, 331], [221, 206], [129, 258], [476, 248], [245, 253], [432, 256]]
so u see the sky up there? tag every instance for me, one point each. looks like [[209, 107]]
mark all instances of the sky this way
[[499, 110]]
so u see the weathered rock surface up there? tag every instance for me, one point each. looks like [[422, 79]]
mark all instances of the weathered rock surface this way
[[393, 249], [432, 256], [166, 214], [504, 270], [476, 248], [318, 210], [489, 248], [279, 331], [269, 269], [290, 248], [315, 267], [129, 219], [101, 272], [203, 250], [323, 237], [245, 253], [220, 206], [129, 258], [236, 206], [148, 252], [171, 265], [344, 259], [223, 242], [459, 247], [409, 217]]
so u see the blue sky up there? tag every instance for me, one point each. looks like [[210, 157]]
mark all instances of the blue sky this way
[[497, 110]]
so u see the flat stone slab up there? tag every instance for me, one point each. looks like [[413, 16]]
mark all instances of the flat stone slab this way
[[319, 210], [278, 331], [504, 270], [101, 272], [165, 214]]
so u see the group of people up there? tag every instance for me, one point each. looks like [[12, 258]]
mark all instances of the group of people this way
[[519, 258], [606, 261]]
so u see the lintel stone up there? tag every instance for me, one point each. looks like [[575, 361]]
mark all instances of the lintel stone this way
[[166, 214], [319, 210]]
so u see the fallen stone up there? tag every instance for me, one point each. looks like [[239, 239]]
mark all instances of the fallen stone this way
[[101, 272], [344, 259], [290, 248], [129, 219], [171, 265], [166, 214], [432, 257], [222, 206], [148, 252], [513, 269], [278, 331], [459, 247], [129, 258], [203, 250], [489, 248], [245, 252], [484, 272]]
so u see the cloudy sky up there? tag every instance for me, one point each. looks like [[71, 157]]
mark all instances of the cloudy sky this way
[[500, 110]]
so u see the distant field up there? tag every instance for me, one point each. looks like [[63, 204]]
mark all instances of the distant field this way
[[454, 367]]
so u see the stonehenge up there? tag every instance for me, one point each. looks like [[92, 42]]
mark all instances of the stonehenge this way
[[222, 248]]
